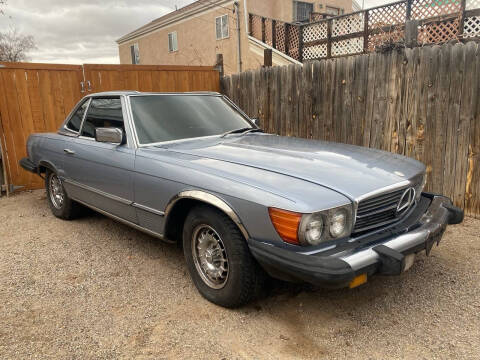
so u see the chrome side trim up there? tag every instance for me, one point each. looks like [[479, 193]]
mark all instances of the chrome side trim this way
[[131, 122], [211, 199], [128, 122], [149, 209], [99, 192], [126, 222]]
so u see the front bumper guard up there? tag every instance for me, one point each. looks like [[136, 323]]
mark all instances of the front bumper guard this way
[[386, 256]]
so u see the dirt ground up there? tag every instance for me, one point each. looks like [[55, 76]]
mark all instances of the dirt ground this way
[[93, 288]]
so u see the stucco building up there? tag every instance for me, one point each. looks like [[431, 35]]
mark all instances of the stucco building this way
[[196, 33]]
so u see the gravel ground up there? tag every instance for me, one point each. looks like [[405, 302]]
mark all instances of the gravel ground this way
[[93, 288]]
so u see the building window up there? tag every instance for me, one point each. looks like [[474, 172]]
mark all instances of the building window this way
[[172, 42], [221, 27], [135, 53], [302, 10], [332, 10]]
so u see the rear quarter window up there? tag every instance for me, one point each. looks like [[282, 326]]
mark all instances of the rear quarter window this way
[[76, 120]]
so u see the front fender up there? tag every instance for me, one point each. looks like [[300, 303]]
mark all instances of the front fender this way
[[210, 199]]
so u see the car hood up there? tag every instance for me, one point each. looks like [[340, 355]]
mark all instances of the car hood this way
[[351, 170]]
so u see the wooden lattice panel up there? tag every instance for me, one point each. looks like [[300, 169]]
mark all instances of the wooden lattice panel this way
[[472, 4], [348, 46], [256, 30], [293, 41], [424, 9], [386, 37], [348, 24], [387, 15], [438, 32], [268, 32], [317, 31], [315, 52], [471, 27], [280, 36]]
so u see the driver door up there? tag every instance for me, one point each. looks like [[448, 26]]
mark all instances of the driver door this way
[[101, 174]]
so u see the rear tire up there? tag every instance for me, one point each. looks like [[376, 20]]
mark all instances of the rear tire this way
[[60, 204], [219, 260]]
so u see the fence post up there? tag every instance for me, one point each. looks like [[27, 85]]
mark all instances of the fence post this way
[[287, 35], [408, 13], [411, 33], [267, 57], [461, 24], [300, 43], [274, 34], [365, 32], [250, 21], [329, 38], [263, 29]]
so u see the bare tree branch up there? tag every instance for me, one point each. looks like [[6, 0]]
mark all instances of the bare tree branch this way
[[15, 46], [3, 3]]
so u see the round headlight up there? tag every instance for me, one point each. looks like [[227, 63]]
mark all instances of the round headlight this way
[[338, 222], [314, 230]]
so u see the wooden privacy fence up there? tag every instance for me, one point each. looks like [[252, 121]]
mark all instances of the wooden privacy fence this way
[[38, 97], [432, 22], [421, 102]]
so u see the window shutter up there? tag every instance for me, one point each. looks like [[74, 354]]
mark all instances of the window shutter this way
[[218, 27], [132, 53], [224, 26]]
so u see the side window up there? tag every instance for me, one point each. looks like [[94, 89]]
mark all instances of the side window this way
[[103, 113], [135, 53], [76, 120], [172, 42], [221, 27]]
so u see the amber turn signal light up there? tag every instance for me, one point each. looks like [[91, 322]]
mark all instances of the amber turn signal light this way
[[286, 223], [358, 280]]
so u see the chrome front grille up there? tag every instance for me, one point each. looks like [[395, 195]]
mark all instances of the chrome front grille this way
[[377, 211]]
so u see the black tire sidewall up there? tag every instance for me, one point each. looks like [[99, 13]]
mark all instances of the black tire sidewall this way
[[65, 211], [240, 261]]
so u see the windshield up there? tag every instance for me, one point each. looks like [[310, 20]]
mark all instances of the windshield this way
[[161, 118]]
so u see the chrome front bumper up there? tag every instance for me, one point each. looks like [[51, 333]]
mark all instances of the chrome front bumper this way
[[384, 252], [432, 224]]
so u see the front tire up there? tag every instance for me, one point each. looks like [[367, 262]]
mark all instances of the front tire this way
[[218, 259], [60, 204]]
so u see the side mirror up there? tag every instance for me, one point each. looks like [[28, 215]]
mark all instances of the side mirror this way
[[255, 121], [109, 135]]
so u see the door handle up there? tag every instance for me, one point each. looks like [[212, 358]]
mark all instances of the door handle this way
[[68, 151]]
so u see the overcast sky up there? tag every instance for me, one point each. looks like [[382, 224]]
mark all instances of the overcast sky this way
[[84, 31]]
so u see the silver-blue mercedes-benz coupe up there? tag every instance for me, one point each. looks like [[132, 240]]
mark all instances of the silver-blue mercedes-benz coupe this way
[[194, 169]]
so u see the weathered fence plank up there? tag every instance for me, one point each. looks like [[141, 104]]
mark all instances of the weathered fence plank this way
[[421, 102], [472, 188]]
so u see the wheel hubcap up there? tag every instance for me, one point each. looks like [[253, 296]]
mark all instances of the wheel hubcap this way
[[56, 192], [210, 256]]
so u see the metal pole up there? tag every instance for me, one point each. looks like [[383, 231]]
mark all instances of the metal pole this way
[[4, 169], [239, 43]]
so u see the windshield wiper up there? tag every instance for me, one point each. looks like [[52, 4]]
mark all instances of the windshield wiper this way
[[242, 130]]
